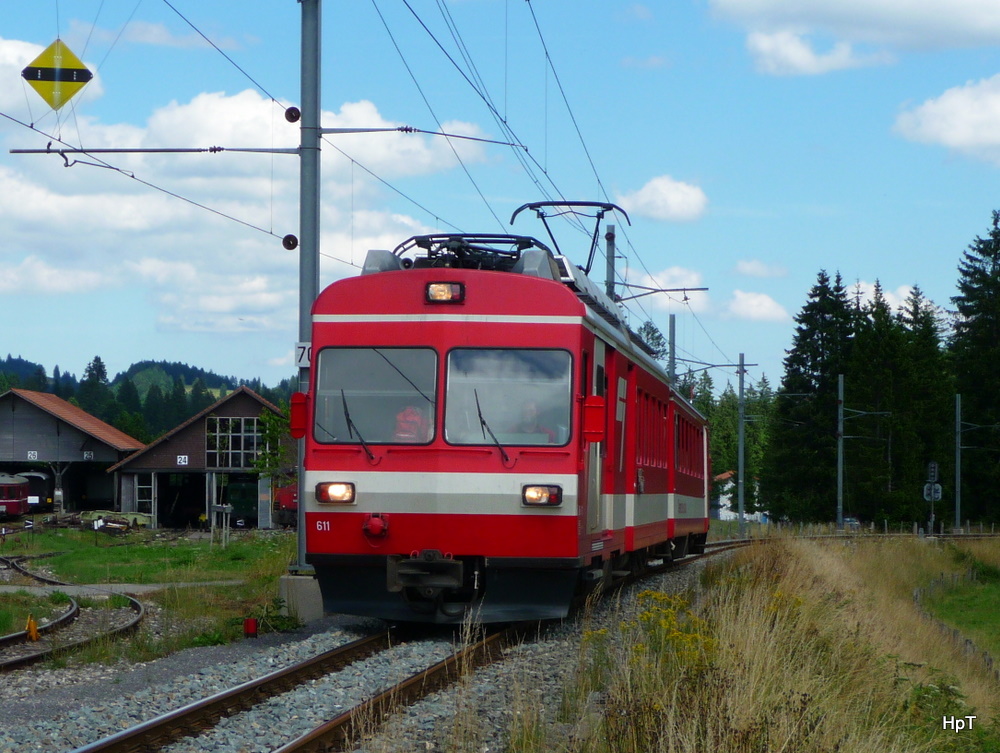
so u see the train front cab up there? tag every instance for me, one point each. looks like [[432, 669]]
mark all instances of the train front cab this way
[[474, 515]]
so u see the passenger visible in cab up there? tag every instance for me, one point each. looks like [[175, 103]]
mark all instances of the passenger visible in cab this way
[[529, 423], [412, 426]]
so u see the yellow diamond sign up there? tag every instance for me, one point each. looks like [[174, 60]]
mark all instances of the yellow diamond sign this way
[[57, 74]]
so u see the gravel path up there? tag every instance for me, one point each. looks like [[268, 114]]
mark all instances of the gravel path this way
[[57, 710]]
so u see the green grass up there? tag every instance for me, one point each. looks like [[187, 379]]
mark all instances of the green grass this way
[[15, 608], [972, 608], [143, 557], [192, 615]]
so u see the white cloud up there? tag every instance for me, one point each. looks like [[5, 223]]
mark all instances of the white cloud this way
[[895, 298], [664, 198], [202, 271], [757, 268], [674, 279], [903, 23], [965, 119], [788, 53], [34, 274], [758, 307], [144, 32]]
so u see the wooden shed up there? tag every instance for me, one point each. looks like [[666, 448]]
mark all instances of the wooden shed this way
[[205, 462], [49, 438]]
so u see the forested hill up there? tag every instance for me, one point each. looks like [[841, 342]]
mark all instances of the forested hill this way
[[144, 401], [146, 373]]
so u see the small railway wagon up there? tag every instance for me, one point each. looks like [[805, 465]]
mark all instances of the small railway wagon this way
[[484, 436], [13, 496]]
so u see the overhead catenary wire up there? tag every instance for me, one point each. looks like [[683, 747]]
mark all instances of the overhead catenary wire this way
[[539, 175]]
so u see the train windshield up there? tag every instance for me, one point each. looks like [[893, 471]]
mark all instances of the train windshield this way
[[521, 396], [375, 395]]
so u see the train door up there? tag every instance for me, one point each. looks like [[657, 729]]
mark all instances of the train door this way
[[596, 519]]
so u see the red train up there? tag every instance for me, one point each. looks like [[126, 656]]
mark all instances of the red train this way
[[484, 434], [13, 496]]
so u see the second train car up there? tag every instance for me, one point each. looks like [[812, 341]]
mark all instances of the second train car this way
[[485, 437]]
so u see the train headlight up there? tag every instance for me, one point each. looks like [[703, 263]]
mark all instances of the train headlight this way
[[336, 492], [541, 496], [445, 292]]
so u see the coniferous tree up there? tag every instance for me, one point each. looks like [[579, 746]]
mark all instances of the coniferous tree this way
[[178, 408], [38, 381], [133, 424], [975, 347], [799, 478], [95, 395], [929, 404], [57, 382], [759, 403], [724, 436], [200, 397], [652, 336], [128, 397], [879, 441], [155, 409]]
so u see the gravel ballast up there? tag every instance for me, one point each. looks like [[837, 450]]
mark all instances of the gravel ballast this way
[[57, 710]]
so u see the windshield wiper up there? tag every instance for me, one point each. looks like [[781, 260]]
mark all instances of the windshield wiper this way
[[486, 428], [413, 384], [352, 429]]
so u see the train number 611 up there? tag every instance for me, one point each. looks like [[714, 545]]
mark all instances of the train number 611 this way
[[322, 525]]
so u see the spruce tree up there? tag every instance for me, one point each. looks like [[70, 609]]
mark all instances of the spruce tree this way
[[879, 442], [155, 410], [929, 405], [799, 478], [975, 350], [95, 395]]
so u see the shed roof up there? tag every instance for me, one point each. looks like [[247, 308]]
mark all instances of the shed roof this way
[[78, 418]]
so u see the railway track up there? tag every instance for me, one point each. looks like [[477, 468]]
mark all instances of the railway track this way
[[74, 629], [336, 734], [343, 730]]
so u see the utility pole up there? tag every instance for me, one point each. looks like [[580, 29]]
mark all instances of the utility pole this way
[[609, 278], [740, 464], [958, 461], [672, 359], [309, 181], [840, 443], [840, 451]]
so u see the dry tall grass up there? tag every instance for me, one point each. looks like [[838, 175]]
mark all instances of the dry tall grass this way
[[796, 646]]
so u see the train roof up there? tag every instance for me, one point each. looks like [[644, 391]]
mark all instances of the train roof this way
[[525, 255], [7, 480], [515, 254]]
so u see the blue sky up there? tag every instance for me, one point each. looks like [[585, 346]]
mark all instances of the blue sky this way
[[753, 143]]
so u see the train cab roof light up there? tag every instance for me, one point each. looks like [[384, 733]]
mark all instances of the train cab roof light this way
[[445, 292], [541, 496], [335, 492]]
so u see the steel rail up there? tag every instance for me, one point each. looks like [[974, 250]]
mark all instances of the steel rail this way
[[16, 638], [61, 621], [341, 732], [159, 732]]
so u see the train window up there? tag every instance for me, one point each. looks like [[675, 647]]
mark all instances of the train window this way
[[375, 395], [520, 395]]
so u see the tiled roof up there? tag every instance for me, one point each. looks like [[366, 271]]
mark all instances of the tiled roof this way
[[242, 389], [80, 419]]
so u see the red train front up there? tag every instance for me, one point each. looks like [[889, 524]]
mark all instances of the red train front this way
[[484, 436], [13, 496]]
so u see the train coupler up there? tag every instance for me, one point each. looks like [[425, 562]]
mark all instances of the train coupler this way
[[428, 572]]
